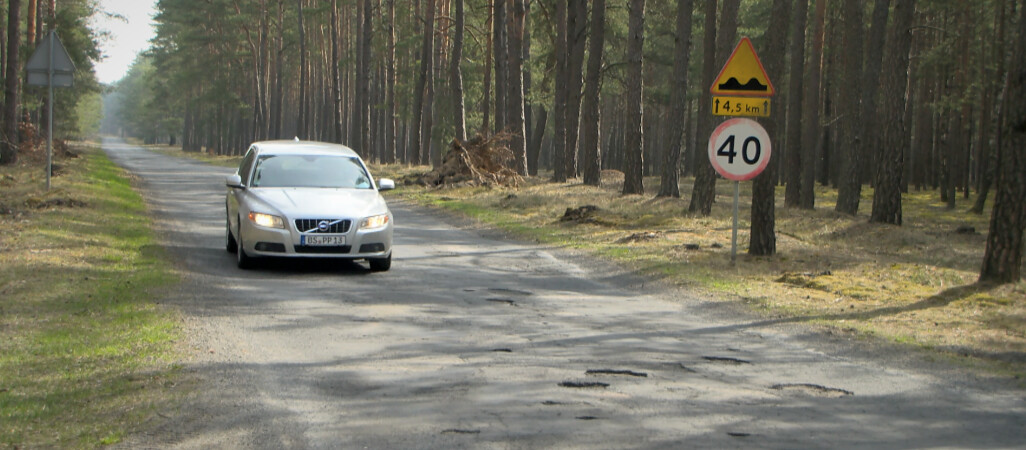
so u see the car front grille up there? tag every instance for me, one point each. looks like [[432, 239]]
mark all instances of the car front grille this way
[[333, 226]]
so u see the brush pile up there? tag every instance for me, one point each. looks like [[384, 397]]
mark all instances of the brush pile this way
[[479, 161]]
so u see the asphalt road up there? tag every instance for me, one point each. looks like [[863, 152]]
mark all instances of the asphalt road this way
[[475, 341]]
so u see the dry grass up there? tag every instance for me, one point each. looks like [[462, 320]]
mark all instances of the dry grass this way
[[913, 284]]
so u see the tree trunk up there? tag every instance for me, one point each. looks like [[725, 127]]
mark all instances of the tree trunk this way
[[850, 179], [890, 162], [576, 25], [1002, 260], [390, 103], [303, 76], [560, 94], [365, 146], [988, 153], [515, 99], [456, 75], [633, 182], [499, 45], [423, 77], [9, 147], [763, 239], [871, 78], [670, 183], [811, 128], [704, 192], [794, 157], [591, 112], [534, 149]]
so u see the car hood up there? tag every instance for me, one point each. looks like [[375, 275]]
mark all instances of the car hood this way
[[323, 203]]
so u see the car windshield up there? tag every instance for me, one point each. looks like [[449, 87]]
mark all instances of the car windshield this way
[[322, 171]]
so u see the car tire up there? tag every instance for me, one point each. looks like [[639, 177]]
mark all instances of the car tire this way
[[230, 243], [243, 260], [380, 264]]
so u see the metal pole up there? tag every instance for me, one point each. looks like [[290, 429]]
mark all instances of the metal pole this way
[[49, 115], [733, 237]]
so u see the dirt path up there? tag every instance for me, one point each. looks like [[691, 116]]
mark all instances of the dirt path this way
[[475, 341]]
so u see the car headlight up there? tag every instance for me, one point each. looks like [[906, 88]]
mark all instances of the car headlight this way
[[266, 220], [372, 222]]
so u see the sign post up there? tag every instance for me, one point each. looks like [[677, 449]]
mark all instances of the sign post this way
[[50, 65], [740, 149]]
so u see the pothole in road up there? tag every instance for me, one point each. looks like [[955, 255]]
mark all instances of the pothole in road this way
[[502, 350], [506, 301], [584, 384], [587, 418], [629, 373], [738, 434], [510, 291], [459, 431], [726, 360], [813, 389]]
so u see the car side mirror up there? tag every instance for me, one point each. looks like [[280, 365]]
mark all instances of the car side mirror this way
[[234, 181], [386, 184]]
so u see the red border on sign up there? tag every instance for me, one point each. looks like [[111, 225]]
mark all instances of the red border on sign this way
[[769, 93], [758, 169]]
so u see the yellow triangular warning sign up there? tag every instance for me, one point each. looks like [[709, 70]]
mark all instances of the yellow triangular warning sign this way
[[743, 74]]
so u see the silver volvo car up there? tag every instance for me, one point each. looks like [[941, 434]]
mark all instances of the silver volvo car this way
[[307, 199]]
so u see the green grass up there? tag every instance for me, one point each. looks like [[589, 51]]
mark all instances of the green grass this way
[[85, 353]]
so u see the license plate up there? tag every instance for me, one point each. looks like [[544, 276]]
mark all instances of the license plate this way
[[319, 240]]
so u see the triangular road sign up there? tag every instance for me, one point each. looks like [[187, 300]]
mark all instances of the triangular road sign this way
[[38, 65], [743, 74]]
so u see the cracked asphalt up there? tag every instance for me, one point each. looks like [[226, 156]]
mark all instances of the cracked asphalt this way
[[472, 340]]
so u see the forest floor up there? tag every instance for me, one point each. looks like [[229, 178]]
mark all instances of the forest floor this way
[[914, 284]]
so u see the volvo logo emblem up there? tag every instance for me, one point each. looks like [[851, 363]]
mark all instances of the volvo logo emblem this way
[[323, 225]]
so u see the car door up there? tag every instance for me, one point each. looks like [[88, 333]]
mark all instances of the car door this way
[[232, 198]]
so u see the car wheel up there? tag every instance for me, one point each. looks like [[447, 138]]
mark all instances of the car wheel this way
[[243, 260], [230, 244], [380, 264]]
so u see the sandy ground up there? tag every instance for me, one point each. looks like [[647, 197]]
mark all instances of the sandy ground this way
[[476, 341]]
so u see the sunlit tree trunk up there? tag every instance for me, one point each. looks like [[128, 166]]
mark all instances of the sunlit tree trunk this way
[[456, 74], [1002, 260]]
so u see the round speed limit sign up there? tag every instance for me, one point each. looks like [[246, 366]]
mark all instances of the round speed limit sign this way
[[739, 149]]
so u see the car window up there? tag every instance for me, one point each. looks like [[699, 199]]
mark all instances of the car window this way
[[324, 171], [246, 167]]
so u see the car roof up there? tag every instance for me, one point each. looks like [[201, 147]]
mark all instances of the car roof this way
[[297, 147]]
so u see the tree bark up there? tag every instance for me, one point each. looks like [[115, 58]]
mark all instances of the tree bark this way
[[560, 94], [423, 77], [515, 99], [9, 148], [871, 78], [499, 45], [850, 179], [301, 121], [795, 96], [456, 74], [704, 192], [890, 162], [591, 109], [390, 103], [670, 183], [364, 80], [576, 26], [763, 239], [1002, 260], [633, 182]]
